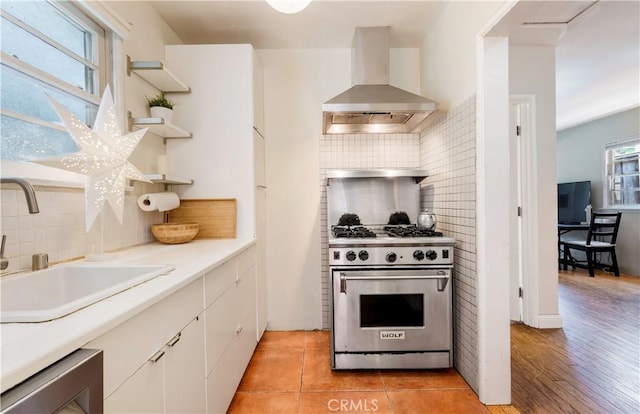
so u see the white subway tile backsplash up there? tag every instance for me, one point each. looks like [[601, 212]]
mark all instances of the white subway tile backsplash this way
[[10, 223], [59, 228], [365, 151]]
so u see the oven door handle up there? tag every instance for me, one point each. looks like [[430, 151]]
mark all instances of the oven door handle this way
[[442, 278]]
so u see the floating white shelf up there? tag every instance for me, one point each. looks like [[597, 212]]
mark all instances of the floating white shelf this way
[[165, 179], [156, 74], [160, 128]]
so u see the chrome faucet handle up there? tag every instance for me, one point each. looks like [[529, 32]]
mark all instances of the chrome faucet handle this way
[[4, 262]]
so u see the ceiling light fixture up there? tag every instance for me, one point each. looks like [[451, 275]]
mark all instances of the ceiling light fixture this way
[[289, 6]]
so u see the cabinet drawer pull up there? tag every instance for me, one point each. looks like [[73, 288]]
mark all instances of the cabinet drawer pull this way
[[175, 339], [156, 357], [238, 281], [239, 329]]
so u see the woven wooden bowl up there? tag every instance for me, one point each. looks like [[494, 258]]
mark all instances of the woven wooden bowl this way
[[174, 233]]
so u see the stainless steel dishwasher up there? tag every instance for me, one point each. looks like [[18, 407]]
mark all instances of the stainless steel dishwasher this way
[[70, 385]]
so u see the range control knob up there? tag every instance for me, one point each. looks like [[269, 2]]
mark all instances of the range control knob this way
[[431, 254], [391, 257], [351, 255], [418, 255], [363, 255]]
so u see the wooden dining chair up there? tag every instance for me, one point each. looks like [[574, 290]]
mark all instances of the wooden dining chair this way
[[601, 238]]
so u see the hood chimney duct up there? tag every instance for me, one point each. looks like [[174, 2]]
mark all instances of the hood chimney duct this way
[[370, 56]]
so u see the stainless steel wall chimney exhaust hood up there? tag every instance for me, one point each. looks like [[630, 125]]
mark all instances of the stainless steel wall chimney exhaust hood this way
[[373, 106]]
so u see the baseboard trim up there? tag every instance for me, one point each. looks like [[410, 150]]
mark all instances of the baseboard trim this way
[[549, 321]]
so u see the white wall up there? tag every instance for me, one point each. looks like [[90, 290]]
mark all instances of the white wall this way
[[404, 69], [532, 71], [297, 82], [581, 157], [448, 52], [148, 34]]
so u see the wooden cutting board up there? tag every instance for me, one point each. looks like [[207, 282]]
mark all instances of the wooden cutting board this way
[[216, 217]]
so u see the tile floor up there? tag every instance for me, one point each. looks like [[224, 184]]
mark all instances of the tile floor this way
[[290, 373]]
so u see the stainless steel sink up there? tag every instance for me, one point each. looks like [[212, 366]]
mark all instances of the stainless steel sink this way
[[58, 291]]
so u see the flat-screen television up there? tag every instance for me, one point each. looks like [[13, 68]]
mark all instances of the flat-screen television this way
[[573, 199]]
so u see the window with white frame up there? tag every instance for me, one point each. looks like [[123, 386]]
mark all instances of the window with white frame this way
[[48, 49], [622, 175]]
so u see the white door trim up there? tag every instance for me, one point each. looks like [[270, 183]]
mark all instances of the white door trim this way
[[529, 222], [515, 216]]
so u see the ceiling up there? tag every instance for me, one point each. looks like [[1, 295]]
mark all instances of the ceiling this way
[[323, 24], [597, 55]]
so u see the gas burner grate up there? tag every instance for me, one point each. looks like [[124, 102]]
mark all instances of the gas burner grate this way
[[352, 232], [406, 231]]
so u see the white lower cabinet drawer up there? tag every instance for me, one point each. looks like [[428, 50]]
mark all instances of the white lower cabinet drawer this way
[[171, 381], [222, 319], [218, 280], [226, 375], [246, 259], [184, 373], [128, 346], [141, 393]]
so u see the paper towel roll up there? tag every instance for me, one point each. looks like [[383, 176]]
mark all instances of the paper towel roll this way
[[158, 201]]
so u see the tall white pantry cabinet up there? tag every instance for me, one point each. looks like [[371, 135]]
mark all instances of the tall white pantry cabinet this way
[[226, 156]]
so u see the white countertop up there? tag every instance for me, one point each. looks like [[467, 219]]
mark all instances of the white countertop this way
[[26, 348]]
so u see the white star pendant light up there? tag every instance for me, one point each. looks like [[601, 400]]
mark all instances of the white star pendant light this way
[[102, 158]]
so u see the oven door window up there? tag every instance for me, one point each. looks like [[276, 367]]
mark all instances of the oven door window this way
[[412, 305], [395, 310]]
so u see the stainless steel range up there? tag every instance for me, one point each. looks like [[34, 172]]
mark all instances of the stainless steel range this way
[[390, 280]]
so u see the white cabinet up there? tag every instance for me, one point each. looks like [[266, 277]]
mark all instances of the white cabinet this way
[[230, 319], [128, 346], [258, 95], [225, 111], [220, 112], [142, 393], [140, 356], [184, 370], [171, 381], [261, 232], [227, 373], [188, 352]]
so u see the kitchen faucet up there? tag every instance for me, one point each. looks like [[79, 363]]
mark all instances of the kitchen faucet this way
[[32, 204], [27, 188]]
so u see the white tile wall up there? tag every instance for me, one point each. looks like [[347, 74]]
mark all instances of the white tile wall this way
[[370, 151], [447, 152], [59, 228], [446, 149]]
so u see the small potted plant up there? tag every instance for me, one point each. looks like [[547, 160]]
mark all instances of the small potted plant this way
[[161, 107]]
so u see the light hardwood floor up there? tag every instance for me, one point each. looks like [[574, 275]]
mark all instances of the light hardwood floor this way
[[592, 364]]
